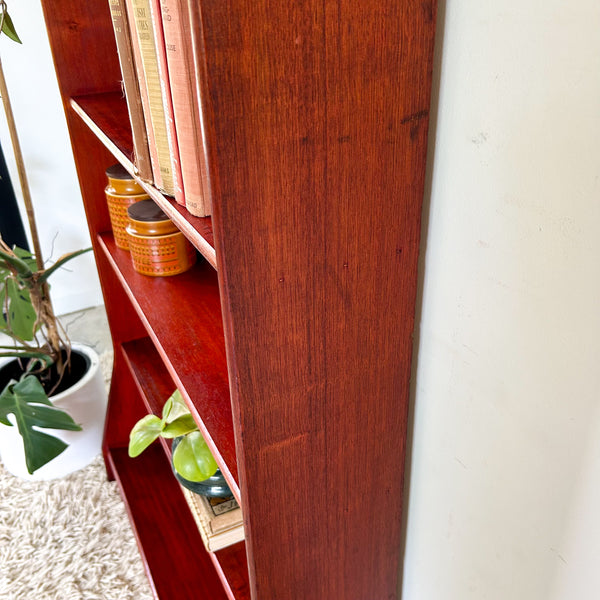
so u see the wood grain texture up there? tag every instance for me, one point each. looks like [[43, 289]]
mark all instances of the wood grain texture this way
[[318, 116], [106, 115], [315, 119], [182, 316], [149, 373], [83, 46], [171, 545], [230, 563]]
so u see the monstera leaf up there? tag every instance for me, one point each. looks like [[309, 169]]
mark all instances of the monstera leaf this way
[[21, 314], [28, 403]]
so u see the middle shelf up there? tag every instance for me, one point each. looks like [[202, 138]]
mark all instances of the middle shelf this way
[[198, 366]]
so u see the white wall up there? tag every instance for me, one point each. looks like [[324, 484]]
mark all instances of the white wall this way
[[504, 497], [44, 139]]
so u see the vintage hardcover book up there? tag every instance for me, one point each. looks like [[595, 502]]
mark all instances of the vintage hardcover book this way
[[144, 31], [156, 177], [186, 104], [165, 87], [141, 153], [219, 520]]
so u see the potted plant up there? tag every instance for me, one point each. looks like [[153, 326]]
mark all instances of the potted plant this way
[[49, 383], [47, 378], [193, 463]]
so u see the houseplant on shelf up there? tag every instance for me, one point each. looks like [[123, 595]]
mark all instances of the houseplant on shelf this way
[[192, 461], [48, 377]]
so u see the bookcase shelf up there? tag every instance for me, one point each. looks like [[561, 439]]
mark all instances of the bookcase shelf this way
[[106, 116], [290, 343], [173, 551], [198, 366], [154, 385]]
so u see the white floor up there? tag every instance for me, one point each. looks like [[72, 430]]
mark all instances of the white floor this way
[[89, 326]]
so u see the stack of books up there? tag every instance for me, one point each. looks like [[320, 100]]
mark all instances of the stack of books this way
[[219, 520], [159, 47]]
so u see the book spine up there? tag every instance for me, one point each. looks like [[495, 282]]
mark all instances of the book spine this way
[[131, 89], [197, 50], [165, 87], [145, 100], [186, 106], [145, 36]]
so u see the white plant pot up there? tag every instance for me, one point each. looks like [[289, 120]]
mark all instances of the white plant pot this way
[[86, 402]]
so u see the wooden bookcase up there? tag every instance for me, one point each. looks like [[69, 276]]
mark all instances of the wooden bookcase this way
[[292, 340]]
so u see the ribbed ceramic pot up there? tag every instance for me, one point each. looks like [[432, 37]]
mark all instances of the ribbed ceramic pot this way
[[121, 192], [157, 247]]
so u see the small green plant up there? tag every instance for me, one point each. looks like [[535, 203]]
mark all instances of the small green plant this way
[[42, 348], [192, 458]]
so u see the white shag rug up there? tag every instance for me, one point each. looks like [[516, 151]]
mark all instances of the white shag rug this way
[[67, 539]]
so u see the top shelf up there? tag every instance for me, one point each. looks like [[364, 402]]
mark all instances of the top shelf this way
[[107, 117]]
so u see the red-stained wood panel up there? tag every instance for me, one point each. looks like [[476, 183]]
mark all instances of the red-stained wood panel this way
[[176, 561], [317, 118], [83, 46], [149, 373], [231, 565], [106, 115], [182, 315]]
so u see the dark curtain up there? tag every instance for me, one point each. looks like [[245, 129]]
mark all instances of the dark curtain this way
[[11, 226]]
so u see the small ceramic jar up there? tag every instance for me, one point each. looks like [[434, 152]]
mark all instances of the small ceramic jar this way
[[121, 192], [157, 247]]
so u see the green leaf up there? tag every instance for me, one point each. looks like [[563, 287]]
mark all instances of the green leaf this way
[[181, 426], [175, 407], [59, 263], [21, 314], [144, 432], [9, 29], [28, 403], [26, 257], [192, 458], [18, 264]]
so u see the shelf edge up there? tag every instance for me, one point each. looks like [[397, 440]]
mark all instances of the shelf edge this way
[[200, 243]]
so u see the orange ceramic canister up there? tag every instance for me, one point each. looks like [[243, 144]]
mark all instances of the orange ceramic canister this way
[[157, 247], [121, 192]]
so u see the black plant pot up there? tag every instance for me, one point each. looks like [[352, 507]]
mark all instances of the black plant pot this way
[[213, 487], [80, 363]]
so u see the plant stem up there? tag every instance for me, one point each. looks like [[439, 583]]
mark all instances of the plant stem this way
[[45, 303], [14, 138]]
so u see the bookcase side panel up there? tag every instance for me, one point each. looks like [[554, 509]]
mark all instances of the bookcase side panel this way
[[83, 46], [317, 129]]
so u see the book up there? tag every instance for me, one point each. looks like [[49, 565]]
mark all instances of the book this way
[[177, 24], [131, 90], [167, 98], [143, 90], [166, 148], [219, 520]]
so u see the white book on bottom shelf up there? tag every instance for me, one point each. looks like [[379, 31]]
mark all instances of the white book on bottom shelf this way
[[219, 520]]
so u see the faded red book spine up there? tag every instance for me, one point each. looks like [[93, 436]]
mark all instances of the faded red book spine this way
[[185, 95], [165, 87]]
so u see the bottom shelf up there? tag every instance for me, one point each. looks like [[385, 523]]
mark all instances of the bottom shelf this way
[[176, 562]]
